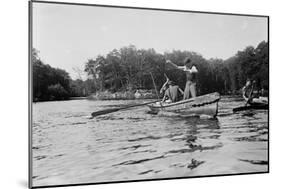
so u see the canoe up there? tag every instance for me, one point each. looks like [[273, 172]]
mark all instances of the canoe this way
[[256, 104], [259, 101], [201, 105], [252, 106]]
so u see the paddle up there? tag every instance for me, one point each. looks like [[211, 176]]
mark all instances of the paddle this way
[[107, 111]]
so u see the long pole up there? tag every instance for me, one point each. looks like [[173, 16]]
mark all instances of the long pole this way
[[107, 111], [155, 86]]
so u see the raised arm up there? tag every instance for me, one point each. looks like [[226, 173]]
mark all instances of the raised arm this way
[[183, 68], [163, 88], [175, 66], [165, 96]]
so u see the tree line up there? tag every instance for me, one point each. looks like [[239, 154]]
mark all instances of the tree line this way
[[54, 83], [129, 68]]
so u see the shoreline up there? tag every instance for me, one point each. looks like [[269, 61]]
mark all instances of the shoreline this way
[[113, 96]]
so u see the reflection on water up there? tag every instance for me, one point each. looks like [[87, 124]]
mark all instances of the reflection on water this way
[[69, 148]]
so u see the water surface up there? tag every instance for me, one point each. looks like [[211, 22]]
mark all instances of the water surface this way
[[70, 148]]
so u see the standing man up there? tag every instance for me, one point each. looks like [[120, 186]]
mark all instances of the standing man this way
[[191, 71]]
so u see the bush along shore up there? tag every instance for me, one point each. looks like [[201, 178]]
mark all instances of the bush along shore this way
[[107, 95], [126, 95]]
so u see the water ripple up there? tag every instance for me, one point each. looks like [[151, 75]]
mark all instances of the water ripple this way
[[68, 146]]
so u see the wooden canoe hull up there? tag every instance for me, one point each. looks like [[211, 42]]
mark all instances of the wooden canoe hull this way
[[243, 108], [260, 103], [202, 105], [252, 106]]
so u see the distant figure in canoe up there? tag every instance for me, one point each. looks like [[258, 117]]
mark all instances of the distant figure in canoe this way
[[172, 92], [249, 96], [247, 91], [191, 71]]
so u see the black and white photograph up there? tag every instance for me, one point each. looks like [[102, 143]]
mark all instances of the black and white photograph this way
[[122, 94]]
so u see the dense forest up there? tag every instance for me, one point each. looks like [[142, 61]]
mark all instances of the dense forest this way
[[129, 68], [55, 84]]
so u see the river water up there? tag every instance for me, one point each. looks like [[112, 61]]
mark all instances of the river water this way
[[70, 148]]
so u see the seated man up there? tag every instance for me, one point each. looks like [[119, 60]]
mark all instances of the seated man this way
[[171, 92]]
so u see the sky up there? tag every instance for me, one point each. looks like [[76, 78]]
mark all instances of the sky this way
[[67, 35]]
